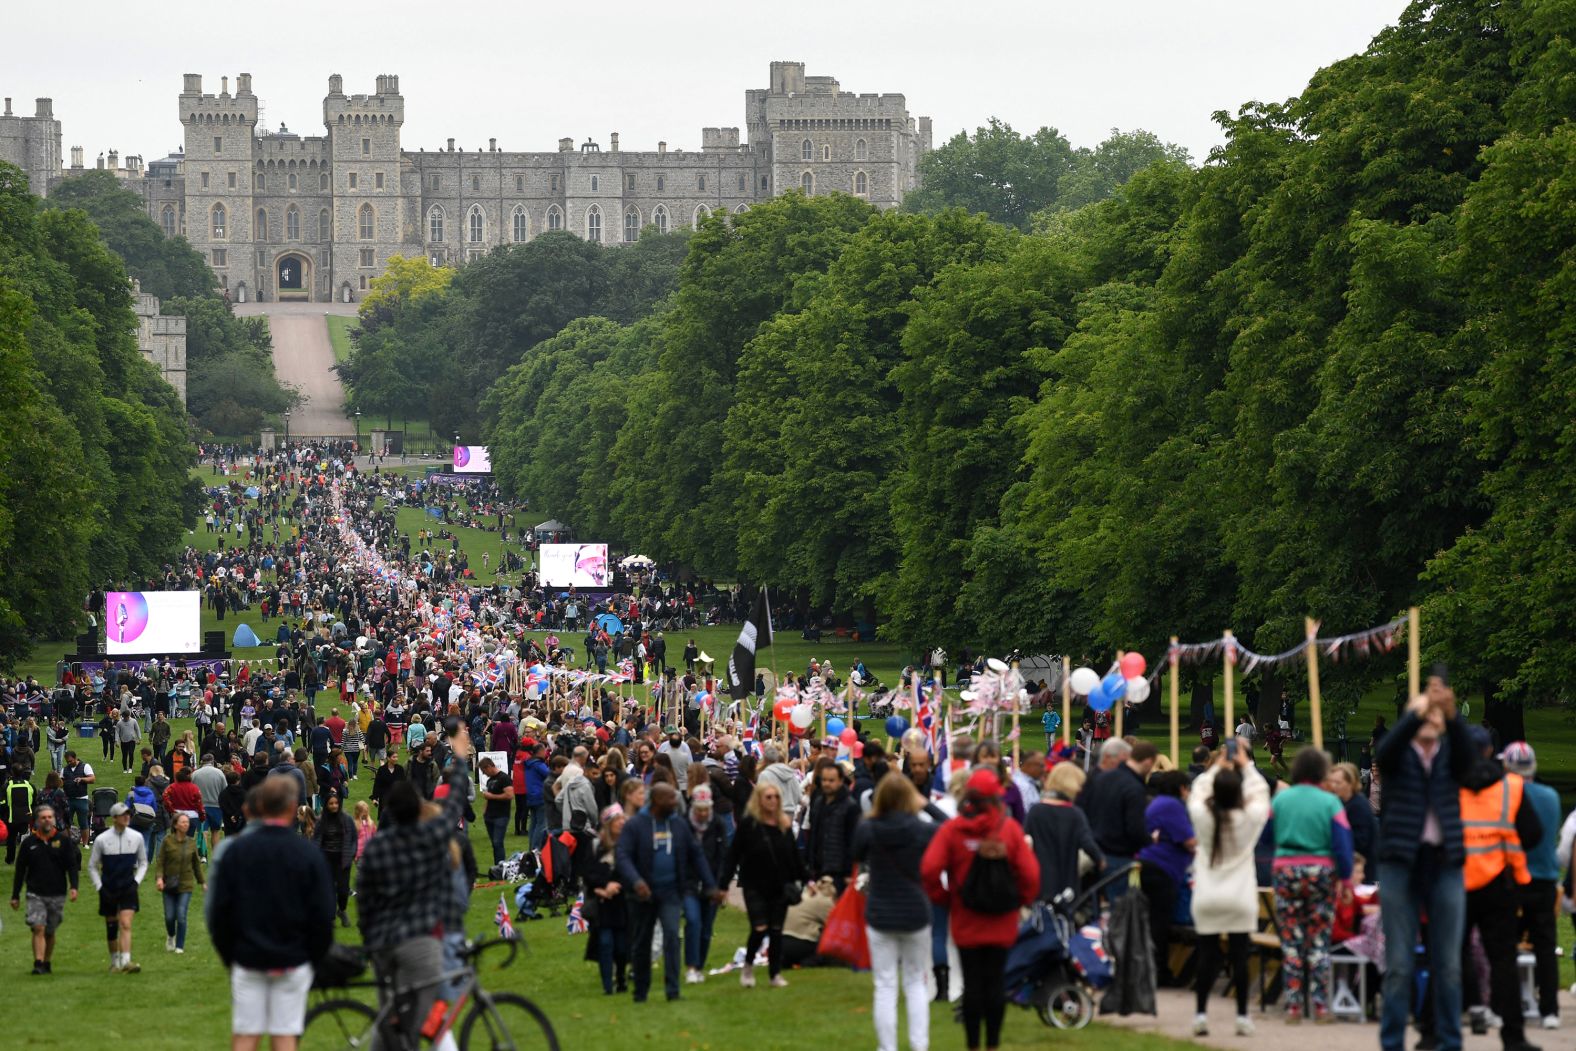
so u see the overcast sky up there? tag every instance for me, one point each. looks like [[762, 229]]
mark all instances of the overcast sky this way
[[528, 73]]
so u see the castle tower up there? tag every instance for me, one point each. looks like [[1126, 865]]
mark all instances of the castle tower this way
[[369, 213], [32, 144], [218, 167]]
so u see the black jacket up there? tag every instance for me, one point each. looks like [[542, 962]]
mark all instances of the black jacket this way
[[1058, 833], [1409, 791], [891, 847], [271, 900], [763, 857], [1114, 802], [828, 851], [46, 866]]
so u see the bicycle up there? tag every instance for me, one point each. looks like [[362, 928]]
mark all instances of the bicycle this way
[[498, 1021]]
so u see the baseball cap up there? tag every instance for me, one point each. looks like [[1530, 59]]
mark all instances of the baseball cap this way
[[119, 809], [1519, 757], [984, 783], [1480, 738]]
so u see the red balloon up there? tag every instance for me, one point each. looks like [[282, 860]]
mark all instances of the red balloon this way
[[849, 735], [1133, 665], [782, 709]]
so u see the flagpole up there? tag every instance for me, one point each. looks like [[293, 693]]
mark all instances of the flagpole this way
[[1016, 705], [1311, 628], [1067, 700], [1121, 702], [1176, 692], [1231, 665], [1414, 632]]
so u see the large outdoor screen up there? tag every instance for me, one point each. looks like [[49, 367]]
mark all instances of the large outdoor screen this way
[[472, 459], [574, 565], [153, 622]]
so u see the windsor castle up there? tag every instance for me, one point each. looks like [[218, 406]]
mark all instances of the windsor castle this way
[[285, 216]]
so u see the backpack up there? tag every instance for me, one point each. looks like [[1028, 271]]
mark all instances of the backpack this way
[[143, 817], [990, 887]]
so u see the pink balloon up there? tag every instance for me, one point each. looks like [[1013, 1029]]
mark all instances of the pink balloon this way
[[849, 735], [1133, 665]]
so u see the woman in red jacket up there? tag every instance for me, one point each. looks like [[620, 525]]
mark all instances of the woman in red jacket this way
[[984, 929]]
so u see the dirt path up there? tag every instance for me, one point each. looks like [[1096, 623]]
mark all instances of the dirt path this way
[[304, 359]]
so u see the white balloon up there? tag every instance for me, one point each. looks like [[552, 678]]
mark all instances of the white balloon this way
[[1084, 680], [1137, 690], [801, 716]]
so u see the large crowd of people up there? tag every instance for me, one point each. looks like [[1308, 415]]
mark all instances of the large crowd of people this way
[[396, 668]]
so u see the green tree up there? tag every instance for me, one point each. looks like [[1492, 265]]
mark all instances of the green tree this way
[[166, 267], [996, 170]]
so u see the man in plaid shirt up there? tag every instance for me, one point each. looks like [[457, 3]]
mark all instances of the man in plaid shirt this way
[[405, 887]]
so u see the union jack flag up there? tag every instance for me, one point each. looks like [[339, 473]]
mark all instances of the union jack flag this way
[[577, 921], [923, 717], [502, 919]]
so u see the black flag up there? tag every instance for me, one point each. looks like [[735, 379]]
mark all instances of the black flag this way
[[757, 632]]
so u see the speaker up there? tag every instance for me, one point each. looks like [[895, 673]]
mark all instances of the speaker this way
[[213, 642]]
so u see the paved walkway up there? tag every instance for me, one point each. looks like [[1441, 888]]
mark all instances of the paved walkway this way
[[1176, 1020], [304, 359]]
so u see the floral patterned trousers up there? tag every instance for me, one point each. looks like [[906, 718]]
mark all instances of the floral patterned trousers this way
[[1304, 915]]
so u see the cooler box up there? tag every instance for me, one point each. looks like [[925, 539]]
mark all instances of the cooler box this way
[[86, 729]]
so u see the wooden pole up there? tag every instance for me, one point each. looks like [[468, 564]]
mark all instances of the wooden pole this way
[[1231, 669], [1121, 703], [1414, 667], [1067, 700], [1017, 703], [1176, 696], [1316, 709]]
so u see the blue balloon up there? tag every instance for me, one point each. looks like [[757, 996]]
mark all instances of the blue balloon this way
[[834, 726], [896, 726], [1099, 700], [1115, 686]]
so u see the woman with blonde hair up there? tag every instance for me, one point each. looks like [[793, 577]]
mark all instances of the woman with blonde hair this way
[[891, 841], [771, 877], [366, 828], [1060, 832]]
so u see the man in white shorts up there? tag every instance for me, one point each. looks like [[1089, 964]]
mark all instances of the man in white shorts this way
[[271, 917]]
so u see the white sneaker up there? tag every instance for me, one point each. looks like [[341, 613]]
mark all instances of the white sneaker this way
[[747, 976], [1200, 1025], [1244, 1025], [1551, 1021], [169, 943], [179, 951], [690, 976], [779, 982]]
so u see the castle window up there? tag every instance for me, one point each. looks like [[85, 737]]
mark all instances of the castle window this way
[[555, 218], [221, 257], [861, 184], [363, 282], [218, 145], [353, 180], [229, 180], [553, 183], [366, 222], [807, 182], [322, 181], [741, 182], [325, 226], [433, 181], [292, 224], [377, 181], [261, 233], [594, 184], [293, 181], [766, 183], [806, 150], [476, 183], [366, 147], [701, 212], [861, 150], [435, 224], [629, 183], [522, 225], [826, 153], [205, 180], [700, 183], [631, 224], [167, 220], [261, 180], [594, 224], [662, 183], [519, 184], [476, 223], [367, 258], [659, 218]]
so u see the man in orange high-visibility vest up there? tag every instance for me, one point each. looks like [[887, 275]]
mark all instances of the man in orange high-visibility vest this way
[[1497, 829]]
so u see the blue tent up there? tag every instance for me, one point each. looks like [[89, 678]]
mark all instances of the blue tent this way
[[252, 491], [436, 512], [244, 636], [609, 623]]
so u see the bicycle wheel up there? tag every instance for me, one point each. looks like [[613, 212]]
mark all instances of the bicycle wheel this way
[[506, 1022], [333, 1025]]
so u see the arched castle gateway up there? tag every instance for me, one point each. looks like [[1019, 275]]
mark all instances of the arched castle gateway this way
[[280, 215]]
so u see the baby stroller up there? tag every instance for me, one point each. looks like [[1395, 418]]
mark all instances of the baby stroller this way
[[98, 812], [1060, 957], [549, 879]]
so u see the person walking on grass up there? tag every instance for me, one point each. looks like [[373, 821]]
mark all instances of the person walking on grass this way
[[180, 873], [1229, 805], [771, 877], [47, 865], [116, 864]]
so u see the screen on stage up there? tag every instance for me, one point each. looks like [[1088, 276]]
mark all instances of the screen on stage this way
[[574, 565], [472, 459], [153, 622]]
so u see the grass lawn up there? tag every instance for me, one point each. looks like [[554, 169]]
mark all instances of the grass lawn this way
[[140, 1013], [339, 330]]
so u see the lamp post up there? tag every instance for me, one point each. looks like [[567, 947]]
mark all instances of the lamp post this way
[[358, 430], [287, 428]]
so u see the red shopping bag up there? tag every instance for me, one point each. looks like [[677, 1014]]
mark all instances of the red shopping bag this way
[[844, 937]]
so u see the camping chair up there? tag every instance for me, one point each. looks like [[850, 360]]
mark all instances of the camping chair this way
[[1264, 945]]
